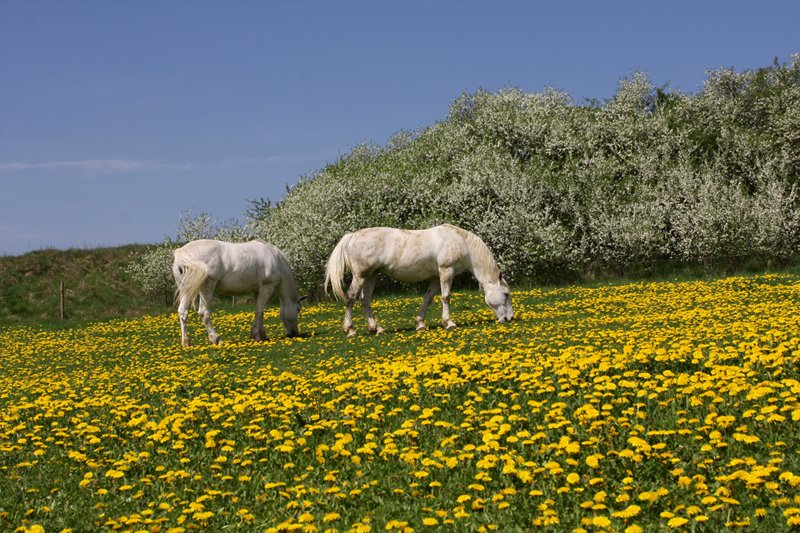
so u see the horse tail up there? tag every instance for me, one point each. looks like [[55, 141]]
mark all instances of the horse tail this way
[[338, 262], [190, 275]]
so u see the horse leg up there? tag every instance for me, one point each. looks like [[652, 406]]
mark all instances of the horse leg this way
[[433, 288], [352, 293], [183, 313], [261, 298], [446, 280], [204, 310], [366, 302]]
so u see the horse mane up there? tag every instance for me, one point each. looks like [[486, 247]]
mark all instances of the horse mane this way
[[482, 257]]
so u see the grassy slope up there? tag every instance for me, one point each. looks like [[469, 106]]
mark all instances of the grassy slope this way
[[96, 284]]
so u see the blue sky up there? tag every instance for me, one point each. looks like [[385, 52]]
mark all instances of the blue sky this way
[[116, 117]]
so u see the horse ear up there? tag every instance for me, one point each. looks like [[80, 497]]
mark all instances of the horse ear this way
[[501, 276]]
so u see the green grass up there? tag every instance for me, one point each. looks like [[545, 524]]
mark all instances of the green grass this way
[[111, 425]]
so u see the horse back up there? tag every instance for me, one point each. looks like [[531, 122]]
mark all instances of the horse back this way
[[408, 255], [237, 268]]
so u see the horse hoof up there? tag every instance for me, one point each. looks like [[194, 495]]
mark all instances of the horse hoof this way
[[450, 325], [351, 333], [421, 326], [379, 331]]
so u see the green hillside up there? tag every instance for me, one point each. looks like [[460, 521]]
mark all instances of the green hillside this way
[[96, 284]]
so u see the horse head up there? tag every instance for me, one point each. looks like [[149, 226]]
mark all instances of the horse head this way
[[290, 312], [498, 297]]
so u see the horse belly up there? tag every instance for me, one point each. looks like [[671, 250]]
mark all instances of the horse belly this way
[[412, 273], [235, 285]]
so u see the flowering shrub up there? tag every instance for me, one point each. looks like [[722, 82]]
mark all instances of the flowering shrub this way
[[559, 189]]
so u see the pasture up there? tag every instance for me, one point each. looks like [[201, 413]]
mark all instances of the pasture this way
[[636, 407]]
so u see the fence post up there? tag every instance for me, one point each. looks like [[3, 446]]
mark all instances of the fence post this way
[[61, 306]]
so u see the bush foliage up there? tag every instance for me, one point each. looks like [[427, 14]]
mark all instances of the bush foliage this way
[[559, 189]]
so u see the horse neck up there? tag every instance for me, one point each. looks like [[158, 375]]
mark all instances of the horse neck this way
[[287, 290], [484, 267], [485, 275]]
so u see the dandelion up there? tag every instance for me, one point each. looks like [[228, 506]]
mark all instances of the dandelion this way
[[677, 522], [594, 460], [748, 439], [628, 512], [639, 444]]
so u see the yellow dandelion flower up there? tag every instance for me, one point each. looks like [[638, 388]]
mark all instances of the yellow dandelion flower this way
[[640, 444], [601, 521], [594, 460], [677, 522], [628, 512], [747, 439], [572, 448]]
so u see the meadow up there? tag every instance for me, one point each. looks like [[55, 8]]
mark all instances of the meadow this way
[[633, 407]]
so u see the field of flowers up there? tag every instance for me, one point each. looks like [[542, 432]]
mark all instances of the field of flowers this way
[[638, 407]]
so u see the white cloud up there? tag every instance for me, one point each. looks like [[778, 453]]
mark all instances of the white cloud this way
[[14, 166], [246, 161], [104, 166]]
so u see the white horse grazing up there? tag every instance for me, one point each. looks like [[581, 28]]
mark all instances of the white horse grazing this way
[[204, 267], [437, 254]]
